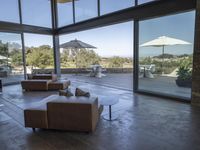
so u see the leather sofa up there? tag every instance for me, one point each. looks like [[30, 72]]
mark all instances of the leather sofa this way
[[64, 113], [44, 82], [35, 85]]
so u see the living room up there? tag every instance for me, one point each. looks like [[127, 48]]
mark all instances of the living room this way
[[99, 74]]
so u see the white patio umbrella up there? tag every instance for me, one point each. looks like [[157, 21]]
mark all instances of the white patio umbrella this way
[[76, 44], [164, 41]]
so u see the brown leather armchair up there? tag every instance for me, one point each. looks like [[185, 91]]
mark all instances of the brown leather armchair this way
[[64, 113]]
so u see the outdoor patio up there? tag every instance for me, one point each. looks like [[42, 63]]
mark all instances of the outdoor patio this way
[[124, 81]]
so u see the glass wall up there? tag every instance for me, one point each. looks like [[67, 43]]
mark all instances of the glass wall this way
[[11, 63], [36, 12], [39, 53], [85, 9], [65, 13], [108, 6], [165, 54], [112, 57], [9, 11]]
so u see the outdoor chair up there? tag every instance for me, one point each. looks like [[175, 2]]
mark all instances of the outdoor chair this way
[[147, 71], [150, 70], [141, 72]]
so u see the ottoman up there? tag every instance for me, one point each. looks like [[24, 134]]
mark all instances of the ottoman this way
[[35, 85], [59, 85]]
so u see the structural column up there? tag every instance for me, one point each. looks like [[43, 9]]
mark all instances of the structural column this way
[[196, 61], [56, 54], [56, 44], [136, 54]]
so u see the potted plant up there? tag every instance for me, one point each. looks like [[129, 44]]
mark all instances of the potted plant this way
[[184, 77]]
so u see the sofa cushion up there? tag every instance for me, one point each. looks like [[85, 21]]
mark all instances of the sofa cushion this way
[[52, 77], [80, 92]]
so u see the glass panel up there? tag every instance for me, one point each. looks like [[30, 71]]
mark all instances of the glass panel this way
[[114, 56], [85, 9], [65, 13], [36, 12], [144, 1], [11, 63], [108, 6], [39, 53], [165, 54], [9, 11]]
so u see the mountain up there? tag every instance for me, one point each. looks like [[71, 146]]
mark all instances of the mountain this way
[[168, 56]]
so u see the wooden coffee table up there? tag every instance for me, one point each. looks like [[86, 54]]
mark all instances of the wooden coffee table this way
[[109, 101]]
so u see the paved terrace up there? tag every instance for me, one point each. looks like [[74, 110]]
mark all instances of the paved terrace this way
[[124, 81]]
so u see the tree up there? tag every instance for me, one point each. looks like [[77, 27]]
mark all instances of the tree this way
[[168, 56], [40, 57], [116, 62], [16, 57], [65, 58], [3, 49], [85, 58]]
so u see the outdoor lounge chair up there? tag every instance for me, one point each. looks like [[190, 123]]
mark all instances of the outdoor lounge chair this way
[[150, 70], [146, 71]]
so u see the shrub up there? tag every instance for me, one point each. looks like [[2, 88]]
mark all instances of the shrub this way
[[184, 73]]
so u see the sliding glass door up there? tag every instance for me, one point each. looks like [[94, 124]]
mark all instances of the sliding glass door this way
[[165, 54], [11, 62], [109, 62]]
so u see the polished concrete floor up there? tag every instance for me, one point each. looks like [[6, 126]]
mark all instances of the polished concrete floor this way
[[144, 123]]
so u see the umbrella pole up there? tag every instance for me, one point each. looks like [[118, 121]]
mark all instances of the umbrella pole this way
[[7, 55], [163, 48], [76, 61]]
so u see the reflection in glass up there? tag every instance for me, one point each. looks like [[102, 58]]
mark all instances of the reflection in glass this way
[[85, 9], [39, 53], [11, 63], [9, 11], [36, 12], [165, 54], [65, 12], [108, 6]]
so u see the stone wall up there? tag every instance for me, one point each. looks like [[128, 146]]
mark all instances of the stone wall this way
[[85, 70]]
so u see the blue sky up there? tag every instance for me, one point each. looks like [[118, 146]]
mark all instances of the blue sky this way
[[180, 26], [115, 40]]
